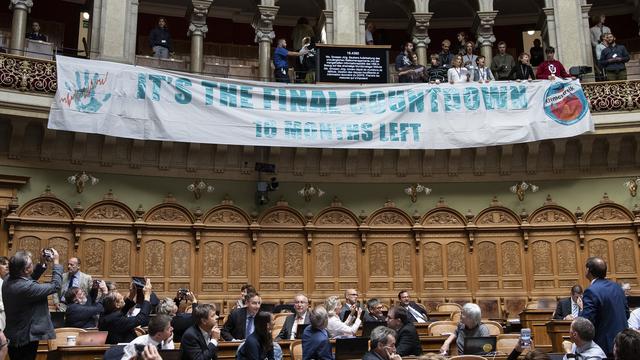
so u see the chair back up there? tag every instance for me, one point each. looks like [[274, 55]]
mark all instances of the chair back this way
[[278, 323], [455, 316], [495, 328], [449, 307], [295, 348], [438, 328], [61, 336], [507, 342]]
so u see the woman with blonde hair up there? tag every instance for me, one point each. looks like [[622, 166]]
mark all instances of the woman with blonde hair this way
[[336, 327]]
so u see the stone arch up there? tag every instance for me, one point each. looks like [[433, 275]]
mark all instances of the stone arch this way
[[391, 8], [454, 8], [109, 211], [169, 213]]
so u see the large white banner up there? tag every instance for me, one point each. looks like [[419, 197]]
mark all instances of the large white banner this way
[[143, 103]]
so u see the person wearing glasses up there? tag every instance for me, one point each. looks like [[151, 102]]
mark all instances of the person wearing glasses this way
[[301, 316], [351, 303], [375, 311]]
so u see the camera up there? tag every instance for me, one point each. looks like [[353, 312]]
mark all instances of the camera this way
[[96, 284], [182, 293], [138, 281], [47, 254]]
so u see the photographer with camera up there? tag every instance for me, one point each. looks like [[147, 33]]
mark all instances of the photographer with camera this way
[[183, 318], [26, 304], [72, 278], [115, 320], [82, 310]]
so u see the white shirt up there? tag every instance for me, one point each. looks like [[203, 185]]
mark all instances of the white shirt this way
[[634, 319], [294, 329], [457, 75], [130, 349], [335, 327], [3, 316], [596, 31]]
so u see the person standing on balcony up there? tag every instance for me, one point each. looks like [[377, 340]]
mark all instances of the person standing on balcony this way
[[35, 33], [551, 68], [502, 63], [281, 61], [613, 58], [160, 40]]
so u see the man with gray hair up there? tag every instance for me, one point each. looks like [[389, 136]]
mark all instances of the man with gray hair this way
[[375, 311], [301, 316], [315, 339], [383, 345], [581, 345], [470, 326]]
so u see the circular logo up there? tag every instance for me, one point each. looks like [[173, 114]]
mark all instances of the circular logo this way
[[565, 103], [487, 347]]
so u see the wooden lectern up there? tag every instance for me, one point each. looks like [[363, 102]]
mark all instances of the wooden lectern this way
[[536, 320], [556, 330]]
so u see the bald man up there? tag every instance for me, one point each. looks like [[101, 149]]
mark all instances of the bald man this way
[[72, 278]]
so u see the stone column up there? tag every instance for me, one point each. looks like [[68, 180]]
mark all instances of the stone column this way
[[197, 30], [19, 24], [328, 25], [550, 27], [420, 36], [586, 41], [114, 31], [362, 27], [263, 25], [483, 25]]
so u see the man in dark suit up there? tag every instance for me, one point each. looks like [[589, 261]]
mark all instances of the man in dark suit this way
[[239, 325], [115, 320], [407, 340], [315, 339], [82, 311], [26, 304], [604, 305], [568, 308], [200, 341], [415, 312], [290, 327], [383, 345], [73, 278]]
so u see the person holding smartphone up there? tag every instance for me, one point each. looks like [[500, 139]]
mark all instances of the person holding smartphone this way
[[115, 320]]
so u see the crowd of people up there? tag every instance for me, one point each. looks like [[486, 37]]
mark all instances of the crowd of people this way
[[601, 326]]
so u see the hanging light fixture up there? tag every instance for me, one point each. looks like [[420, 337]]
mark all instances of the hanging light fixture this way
[[520, 188], [632, 185], [309, 191], [415, 189], [198, 187], [82, 179]]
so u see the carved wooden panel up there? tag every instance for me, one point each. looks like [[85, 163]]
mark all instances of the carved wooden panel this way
[[511, 261], [378, 259], [120, 257], [608, 214], [168, 214], [624, 256], [336, 217], [93, 257], [389, 218], [487, 258], [456, 264], [599, 247], [238, 253], [280, 218], [31, 244], [567, 262], [212, 258], [496, 217], [45, 209], [110, 213], [432, 256], [154, 258], [225, 216], [269, 263], [551, 216], [293, 254], [402, 263], [324, 259], [348, 255], [443, 218], [180, 258], [542, 259], [62, 246]]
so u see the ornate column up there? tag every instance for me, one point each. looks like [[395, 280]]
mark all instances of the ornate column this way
[[197, 30], [19, 24], [362, 26], [328, 25], [483, 25], [586, 36], [263, 24], [551, 38], [420, 34]]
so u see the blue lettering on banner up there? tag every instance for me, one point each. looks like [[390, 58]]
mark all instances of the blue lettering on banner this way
[[183, 93]]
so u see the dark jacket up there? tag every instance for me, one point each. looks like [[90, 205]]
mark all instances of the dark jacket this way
[[285, 333], [407, 341], [82, 316], [371, 355], [119, 326], [315, 344], [194, 346], [614, 52], [606, 307], [235, 326], [562, 309], [181, 322], [160, 37], [252, 350], [27, 307], [522, 72], [417, 308]]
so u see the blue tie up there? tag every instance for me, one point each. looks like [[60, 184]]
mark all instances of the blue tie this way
[[249, 326]]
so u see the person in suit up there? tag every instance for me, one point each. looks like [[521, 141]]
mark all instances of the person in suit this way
[[350, 301], [581, 345], [568, 308], [115, 320], [290, 327], [35, 33], [26, 304], [375, 311], [383, 345], [239, 325], [260, 345], [415, 312], [72, 278], [177, 308], [604, 304], [82, 312], [200, 341], [315, 338], [407, 340]]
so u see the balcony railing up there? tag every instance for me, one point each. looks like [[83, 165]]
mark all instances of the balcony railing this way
[[39, 76]]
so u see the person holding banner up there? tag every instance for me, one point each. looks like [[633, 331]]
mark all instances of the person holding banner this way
[[457, 73], [482, 73], [281, 60], [522, 71]]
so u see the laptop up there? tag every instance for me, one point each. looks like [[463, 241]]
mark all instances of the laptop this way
[[92, 338], [479, 345], [300, 330], [368, 326], [351, 348]]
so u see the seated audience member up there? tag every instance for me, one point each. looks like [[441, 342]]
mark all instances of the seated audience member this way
[[469, 58], [336, 327], [160, 336], [482, 73], [315, 338], [111, 286], [415, 312], [626, 345], [502, 63], [240, 323], [551, 68], [407, 340], [445, 56], [634, 320], [183, 318], [200, 341], [301, 316], [569, 308], [581, 334], [613, 59], [73, 277], [35, 32], [436, 73], [375, 311], [403, 62], [244, 290], [350, 303], [457, 73], [260, 344], [470, 326], [383, 345], [523, 70], [82, 312], [626, 287], [537, 53], [154, 300], [120, 327]]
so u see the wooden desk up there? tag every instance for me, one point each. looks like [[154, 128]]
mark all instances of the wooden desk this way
[[556, 330], [78, 352], [536, 320], [422, 328], [439, 315]]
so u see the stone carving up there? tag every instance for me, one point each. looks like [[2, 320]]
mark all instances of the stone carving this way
[[542, 258], [487, 258], [378, 259], [154, 258], [335, 218], [62, 246], [109, 212], [608, 214], [432, 259], [550, 216], [168, 215], [269, 263], [496, 217], [120, 255], [442, 218], [180, 258], [567, 263], [324, 259], [401, 259], [456, 264], [225, 216], [624, 255], [599, 247], [389, 218], [212, 259], [46, 209], [93, 257], [238, 259], [29, 243], [281, 217], [348, 254], [511, 262], [293, 259]]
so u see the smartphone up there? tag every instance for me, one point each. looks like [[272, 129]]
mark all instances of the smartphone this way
[[139, 281], [525, 337]]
